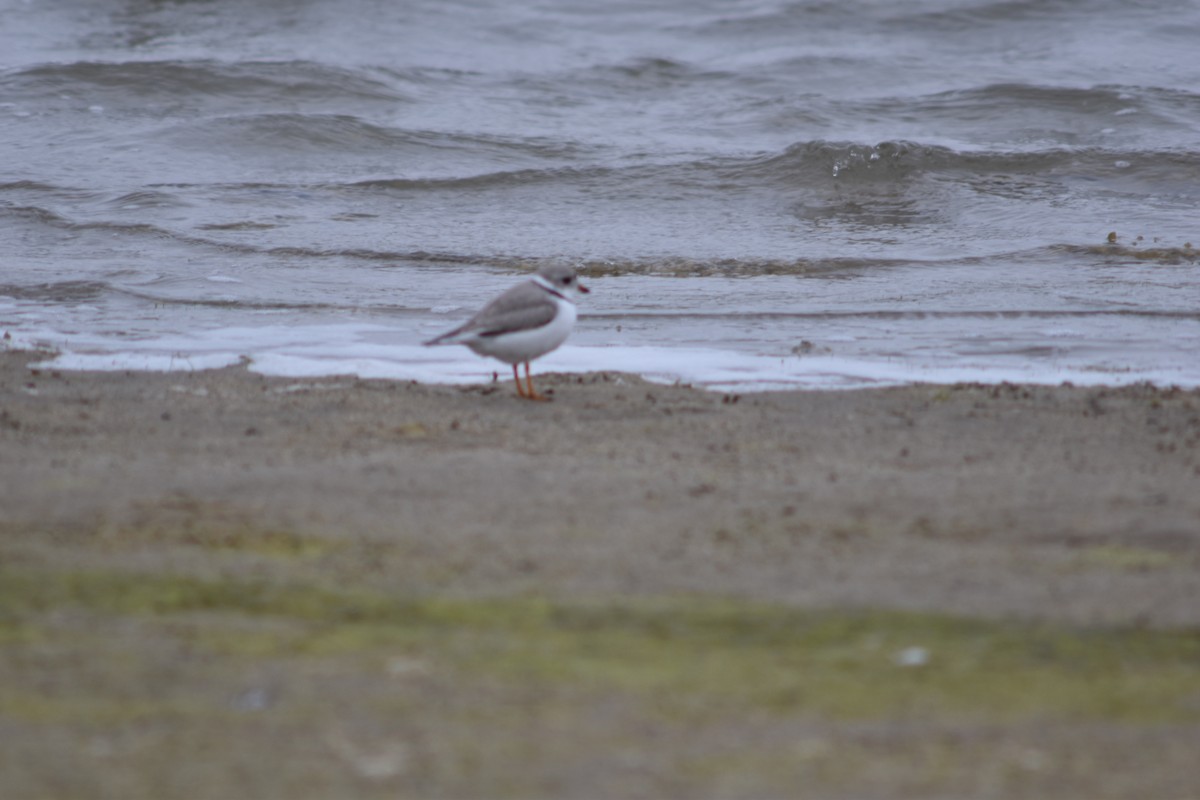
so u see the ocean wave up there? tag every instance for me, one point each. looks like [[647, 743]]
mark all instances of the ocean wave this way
[[1003, 12], [815, 163], [341, 136], [68, 291], [1100, 100], [475, 162], [1137, 250], [749, 267], [190, 82], [1121, 249], [1029, 117], [822, 164], [894, 162], [290, 133], [487, 180], [654, 75]]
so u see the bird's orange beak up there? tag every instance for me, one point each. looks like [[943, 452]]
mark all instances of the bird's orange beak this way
[[583, 289]]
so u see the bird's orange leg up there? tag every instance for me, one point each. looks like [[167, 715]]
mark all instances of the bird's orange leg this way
[[517, 378], [533, 395]]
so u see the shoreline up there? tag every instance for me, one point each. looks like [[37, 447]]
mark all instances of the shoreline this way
[[441, 590], [807, 367], [909, 497]]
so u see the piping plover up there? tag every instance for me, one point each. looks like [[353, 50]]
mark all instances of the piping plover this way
[[524, 323]]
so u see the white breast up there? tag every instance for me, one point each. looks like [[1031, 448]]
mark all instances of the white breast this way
[[519, 346]]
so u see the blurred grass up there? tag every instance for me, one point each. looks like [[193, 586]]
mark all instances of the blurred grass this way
[[721, 655]]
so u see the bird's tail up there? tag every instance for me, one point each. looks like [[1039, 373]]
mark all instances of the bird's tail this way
[[450, 337]]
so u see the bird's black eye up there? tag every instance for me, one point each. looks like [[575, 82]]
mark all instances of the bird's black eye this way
[[566, 280]]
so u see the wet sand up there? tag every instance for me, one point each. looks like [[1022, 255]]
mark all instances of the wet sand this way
[[1034, 509]]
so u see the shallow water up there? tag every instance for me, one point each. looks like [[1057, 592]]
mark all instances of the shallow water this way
[[760, 194]]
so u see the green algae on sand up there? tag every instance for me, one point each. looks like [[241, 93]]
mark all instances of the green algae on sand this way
[[736, 656]]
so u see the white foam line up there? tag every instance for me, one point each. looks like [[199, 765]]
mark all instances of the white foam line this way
[[371, 351]]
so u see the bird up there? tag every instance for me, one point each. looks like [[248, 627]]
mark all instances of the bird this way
[[524, 323]]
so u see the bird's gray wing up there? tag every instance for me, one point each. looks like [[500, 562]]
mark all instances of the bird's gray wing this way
[[523, 307]]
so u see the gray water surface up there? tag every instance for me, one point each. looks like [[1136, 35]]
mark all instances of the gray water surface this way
[[760, 194]]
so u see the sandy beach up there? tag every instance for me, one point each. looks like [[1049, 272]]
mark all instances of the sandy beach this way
[[221, 584]]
